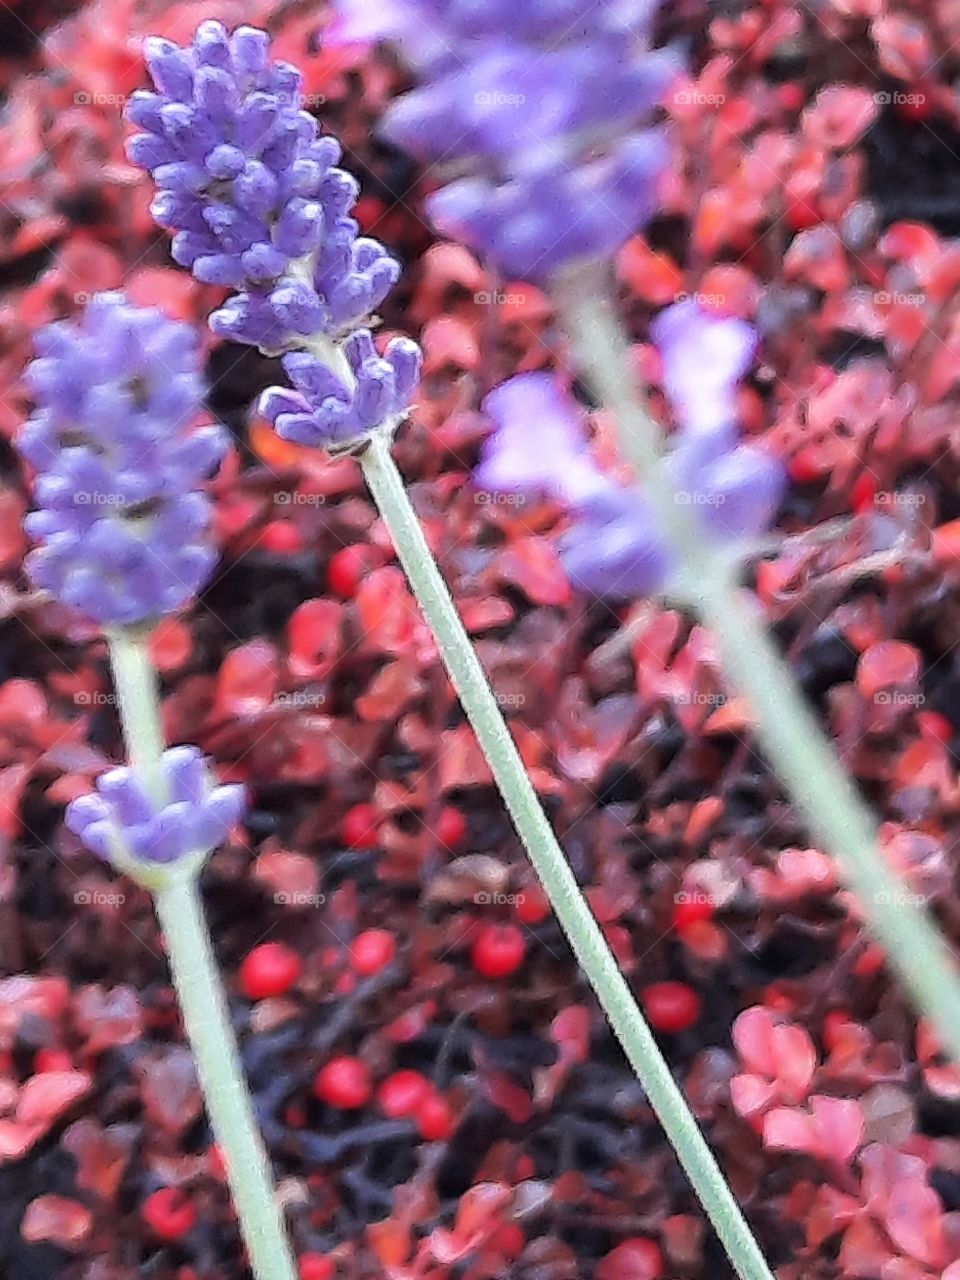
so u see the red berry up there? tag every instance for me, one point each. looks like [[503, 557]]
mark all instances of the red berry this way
[[348, 567], [282, 537], [533, 906], [52, 1060], [671, 1006], [402, 1093], [498, 950], [636, 1259], [435, 1119], [372, 951], [359, 827], [345, 1083], [168, 1213], [269, 970], [314, 1266], [691, 908], [451, 827], [509, 1240]]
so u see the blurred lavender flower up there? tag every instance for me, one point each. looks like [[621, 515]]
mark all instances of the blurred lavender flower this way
[[252, 191], [704, 357], [614, 546], [121, 523], [540, 110], [194, 817]]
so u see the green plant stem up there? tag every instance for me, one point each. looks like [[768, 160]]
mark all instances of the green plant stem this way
[[207, 1021], [569, 904], [798, 748], [195, 975]]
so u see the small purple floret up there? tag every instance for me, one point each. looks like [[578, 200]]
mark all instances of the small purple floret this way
[[196, 816]]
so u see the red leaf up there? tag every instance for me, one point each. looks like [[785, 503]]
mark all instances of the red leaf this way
[[44, 1098], [533, 565]]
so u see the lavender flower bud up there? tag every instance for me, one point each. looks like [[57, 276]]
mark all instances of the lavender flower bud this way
[[194, 818], [333, 411], [121, 524]]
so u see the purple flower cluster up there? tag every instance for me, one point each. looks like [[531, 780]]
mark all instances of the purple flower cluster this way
[[615, 545], [257, 203], [121, 523], [195, 815], [540, 109]]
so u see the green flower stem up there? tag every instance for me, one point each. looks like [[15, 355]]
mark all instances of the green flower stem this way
[[569, 904], [789, 733], [176, 897]]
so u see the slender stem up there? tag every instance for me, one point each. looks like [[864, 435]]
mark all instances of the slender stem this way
[[207, 1021], [797, 746], [135, 680], [197, 980], [585, 935]]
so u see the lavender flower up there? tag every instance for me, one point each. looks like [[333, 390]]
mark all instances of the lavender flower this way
[[614, 546], [194, 817], [257, 203], [540, 110], [122, 526], [252, 191]]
